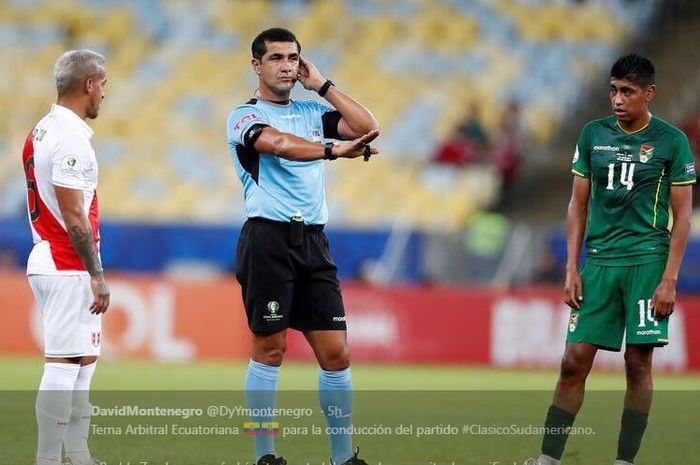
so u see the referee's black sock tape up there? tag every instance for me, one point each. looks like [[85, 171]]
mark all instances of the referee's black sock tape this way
[[557, 426], [631, 431]]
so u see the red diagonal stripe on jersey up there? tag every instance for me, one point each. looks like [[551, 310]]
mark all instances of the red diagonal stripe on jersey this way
[[93, 216], [43, 221]]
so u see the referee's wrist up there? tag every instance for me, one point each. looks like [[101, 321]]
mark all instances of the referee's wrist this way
[[328, 151], [323, 90]]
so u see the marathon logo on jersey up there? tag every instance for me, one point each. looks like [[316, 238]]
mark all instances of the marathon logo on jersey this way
[[645, 153], [690, 168], [573, 322], [244, 120], [606, 148], [70, 165], [96, 338], [273, 308]]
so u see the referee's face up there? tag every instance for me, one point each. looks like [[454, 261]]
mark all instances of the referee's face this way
[[278, 68]]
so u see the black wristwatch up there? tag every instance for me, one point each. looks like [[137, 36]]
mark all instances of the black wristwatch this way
[[328, 151], [324, 88]]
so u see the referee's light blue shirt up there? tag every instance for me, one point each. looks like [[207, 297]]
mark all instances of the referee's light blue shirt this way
[[275, 188]]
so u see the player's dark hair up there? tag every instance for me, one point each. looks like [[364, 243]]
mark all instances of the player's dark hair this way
[[276, 34], [634, 68]]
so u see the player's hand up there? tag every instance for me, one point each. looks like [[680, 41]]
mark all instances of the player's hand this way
[[100, 291], [573, 289], [356, 148], [309, 76], [664, 298]]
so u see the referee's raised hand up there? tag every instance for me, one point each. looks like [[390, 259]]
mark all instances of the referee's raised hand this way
[[356, 147]]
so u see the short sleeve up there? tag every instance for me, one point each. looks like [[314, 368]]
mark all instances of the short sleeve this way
[[682, 165], [73, 163], [241, 119], [580, 165], [330, 120]]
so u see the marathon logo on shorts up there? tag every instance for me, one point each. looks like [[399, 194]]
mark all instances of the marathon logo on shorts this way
[[573, 321], [338, 318], [648, 332], [96, 338], [273, 308]]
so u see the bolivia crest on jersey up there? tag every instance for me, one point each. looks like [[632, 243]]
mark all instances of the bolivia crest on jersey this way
[[645, 153]]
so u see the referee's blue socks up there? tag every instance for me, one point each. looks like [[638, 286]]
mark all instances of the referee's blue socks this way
[[261, 393], [335, 394]]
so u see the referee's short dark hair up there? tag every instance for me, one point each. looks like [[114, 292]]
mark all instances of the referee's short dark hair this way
[[275, 34], [634, 68]]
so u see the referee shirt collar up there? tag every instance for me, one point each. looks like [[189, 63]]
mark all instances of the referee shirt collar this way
[[70, 115]]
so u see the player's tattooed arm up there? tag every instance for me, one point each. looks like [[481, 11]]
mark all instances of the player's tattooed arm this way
[[70, 202], [81, 237]]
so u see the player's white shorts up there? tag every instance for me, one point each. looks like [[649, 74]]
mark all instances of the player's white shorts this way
[[63, 301]]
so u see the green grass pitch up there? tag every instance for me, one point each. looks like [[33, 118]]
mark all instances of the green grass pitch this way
[[405, 415]]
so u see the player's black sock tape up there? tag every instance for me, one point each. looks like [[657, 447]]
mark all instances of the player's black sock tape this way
[[556, 433], [631, 431]]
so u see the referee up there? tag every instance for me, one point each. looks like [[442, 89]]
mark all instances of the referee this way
[[287, 277]]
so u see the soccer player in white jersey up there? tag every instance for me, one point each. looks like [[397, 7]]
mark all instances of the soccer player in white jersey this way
[[64, 267]]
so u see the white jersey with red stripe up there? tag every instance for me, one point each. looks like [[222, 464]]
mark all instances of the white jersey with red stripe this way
[[57, 152]]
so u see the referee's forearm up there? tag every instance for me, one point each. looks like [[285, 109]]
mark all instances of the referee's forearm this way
[[288, 146], [356, 115]]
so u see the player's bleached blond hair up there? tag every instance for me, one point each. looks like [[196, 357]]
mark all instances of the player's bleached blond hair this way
[[74, 66]]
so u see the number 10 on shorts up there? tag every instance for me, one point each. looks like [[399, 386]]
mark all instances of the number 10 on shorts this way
[[646, 313]]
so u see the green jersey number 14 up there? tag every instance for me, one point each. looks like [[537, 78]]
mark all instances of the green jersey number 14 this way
[[626, 176]]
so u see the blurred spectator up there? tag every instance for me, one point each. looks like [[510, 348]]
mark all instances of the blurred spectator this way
[[457, 150], [468, 143], [507, 148], [473, 130]]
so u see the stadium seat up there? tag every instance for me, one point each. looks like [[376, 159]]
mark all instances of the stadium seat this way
[[176, 69]]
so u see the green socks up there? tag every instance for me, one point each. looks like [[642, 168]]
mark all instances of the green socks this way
[[631, 431], [557, 426]]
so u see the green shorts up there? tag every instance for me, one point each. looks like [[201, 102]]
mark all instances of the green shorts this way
[[615, 299]]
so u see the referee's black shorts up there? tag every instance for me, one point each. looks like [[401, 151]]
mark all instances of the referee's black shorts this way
[[287, 286]]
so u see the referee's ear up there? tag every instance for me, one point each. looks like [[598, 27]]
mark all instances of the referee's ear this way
[[256, 65]]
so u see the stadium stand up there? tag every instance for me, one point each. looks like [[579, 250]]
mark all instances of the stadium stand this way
[[177, 68]]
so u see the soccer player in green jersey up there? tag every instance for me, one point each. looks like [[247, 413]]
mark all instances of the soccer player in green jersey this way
[[628, 168]]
